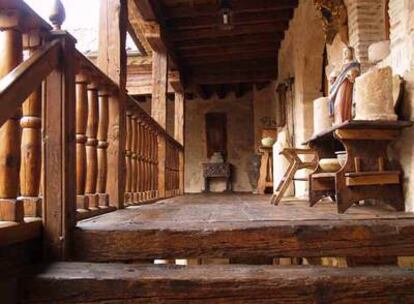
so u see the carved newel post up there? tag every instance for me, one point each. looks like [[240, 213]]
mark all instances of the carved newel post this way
[[11, 55], [57, 14]]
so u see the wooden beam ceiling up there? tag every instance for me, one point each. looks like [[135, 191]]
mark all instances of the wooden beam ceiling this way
[[211, 59]]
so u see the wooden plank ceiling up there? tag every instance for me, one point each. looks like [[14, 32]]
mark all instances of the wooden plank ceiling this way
[[213, 59]]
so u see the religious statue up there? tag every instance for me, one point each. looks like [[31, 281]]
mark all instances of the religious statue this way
[[341, 92]]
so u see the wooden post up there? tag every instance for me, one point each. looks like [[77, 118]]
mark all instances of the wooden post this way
[[91, 146], [11, 53], [112, 60], [31, 123], [102, 137], [115, 184], [179, 118], [81, 139], [159, 110], [141, 160], [59, 159], [181, 172]]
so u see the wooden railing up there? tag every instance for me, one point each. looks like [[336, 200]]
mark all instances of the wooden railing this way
[[146, 143], [73, 145]]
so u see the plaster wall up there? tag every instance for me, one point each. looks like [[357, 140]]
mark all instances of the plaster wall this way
[[240, 140], [264, 104], [301, 60]]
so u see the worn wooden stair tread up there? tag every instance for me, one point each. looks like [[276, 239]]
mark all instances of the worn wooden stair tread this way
[[85, 282]]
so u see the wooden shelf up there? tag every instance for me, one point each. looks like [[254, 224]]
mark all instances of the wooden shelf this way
[[372, 178], [324, 175]]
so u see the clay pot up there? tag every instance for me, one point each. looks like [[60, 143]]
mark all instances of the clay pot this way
[[341, 156], [329, 164], [268, 142]]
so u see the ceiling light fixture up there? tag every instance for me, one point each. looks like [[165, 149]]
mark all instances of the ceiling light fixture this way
[[225, 15]]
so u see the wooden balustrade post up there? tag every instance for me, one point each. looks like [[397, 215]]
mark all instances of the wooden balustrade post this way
[[128, 158], [181, 173], [31, 124], [59, 157], [102, 137], [141, 159], [11, 53], [81, 139], [115, 184], [91, 146], [162, 154], [154, 164], [134, 163]]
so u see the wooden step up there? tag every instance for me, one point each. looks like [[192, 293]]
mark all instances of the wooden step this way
[[222, 227], [120, 283]]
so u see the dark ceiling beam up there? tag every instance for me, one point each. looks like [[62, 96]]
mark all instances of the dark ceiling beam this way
[[239, 40], [235, 77], [243, 18], [155, 30], [232, 50], [274, 27], [229, 58], [236, 65], [188, 9]]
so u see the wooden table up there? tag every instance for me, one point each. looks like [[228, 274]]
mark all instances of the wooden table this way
[[367, 173], [217, 170], [266, 170]]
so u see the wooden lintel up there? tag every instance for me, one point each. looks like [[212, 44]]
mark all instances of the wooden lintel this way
[[174, 79]]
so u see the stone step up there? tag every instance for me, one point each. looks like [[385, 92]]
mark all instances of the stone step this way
[[73, 282]]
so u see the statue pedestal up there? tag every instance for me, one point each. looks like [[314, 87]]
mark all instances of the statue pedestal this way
[[374, 95]]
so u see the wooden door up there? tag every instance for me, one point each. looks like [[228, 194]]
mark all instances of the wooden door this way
[[216, 132]]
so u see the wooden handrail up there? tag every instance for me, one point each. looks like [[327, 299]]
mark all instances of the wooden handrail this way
[[20, 83], [156, 125]]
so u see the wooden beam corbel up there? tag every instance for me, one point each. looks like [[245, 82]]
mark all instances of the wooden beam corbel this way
[[174, 78]]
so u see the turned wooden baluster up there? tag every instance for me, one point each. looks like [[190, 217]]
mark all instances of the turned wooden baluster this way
[[134, 159], [81, 139], [91, 146], [31, 124], [153, 163], [102, 148], [141, 163], [148, 158], [11, 55], [155, 166], [137, 196], [128, 160]]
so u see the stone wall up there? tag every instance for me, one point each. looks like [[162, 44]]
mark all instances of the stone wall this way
[[240, 140], [264, 104]]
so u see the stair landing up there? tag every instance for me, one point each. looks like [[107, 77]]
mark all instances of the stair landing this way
[[237, 226]]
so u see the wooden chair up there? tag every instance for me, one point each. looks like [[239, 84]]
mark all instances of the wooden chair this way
[[295, 164]]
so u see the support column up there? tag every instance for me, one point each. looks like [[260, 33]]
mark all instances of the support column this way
[[112, 60], [11, 55], [159, 110], [179, 118]]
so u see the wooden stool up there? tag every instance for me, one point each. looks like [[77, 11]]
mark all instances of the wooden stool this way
[[266, 170], [295, 164]]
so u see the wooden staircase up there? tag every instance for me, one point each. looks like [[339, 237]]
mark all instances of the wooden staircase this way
[[120, 283], [102, 153]]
